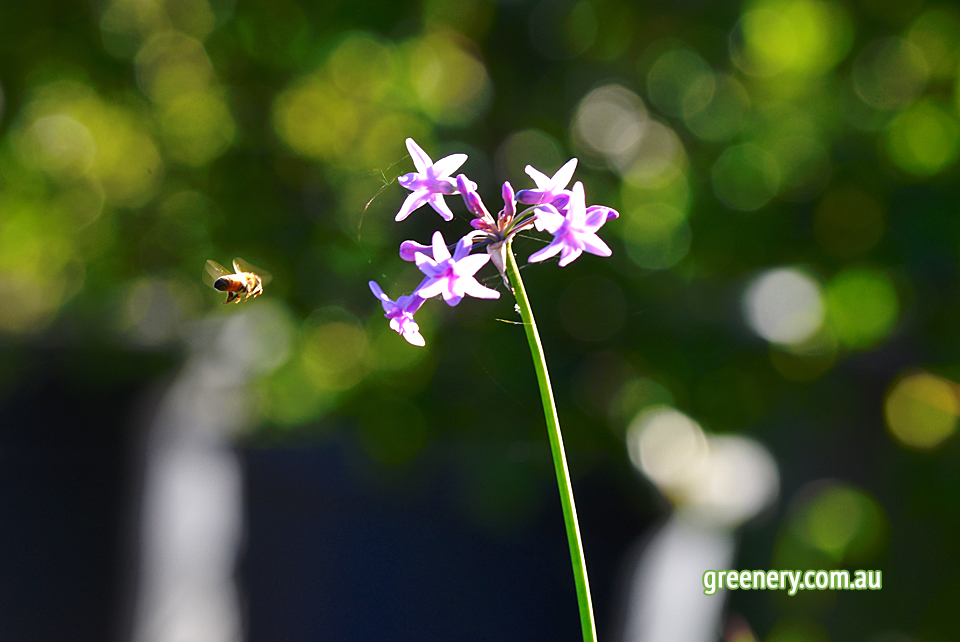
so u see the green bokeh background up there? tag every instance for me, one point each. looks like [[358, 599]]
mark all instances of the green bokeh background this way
[[138, 140]]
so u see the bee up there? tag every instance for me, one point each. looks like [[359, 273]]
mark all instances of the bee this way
[[245, 280]]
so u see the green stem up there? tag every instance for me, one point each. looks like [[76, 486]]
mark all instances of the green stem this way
[[556, 446]]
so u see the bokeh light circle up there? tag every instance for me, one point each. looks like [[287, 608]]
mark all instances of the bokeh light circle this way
[[657, 235], [745, 177], [862, 306], [839, 521], [922, 410], [527, 147], [451, 83], [667, 446], [889, 73], [723, 115], [799, 37], [924, 139], [609, 124], [784, 306], [680, 82]]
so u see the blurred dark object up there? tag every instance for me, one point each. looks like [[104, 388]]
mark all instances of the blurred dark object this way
[[68, 493], [332, 557]]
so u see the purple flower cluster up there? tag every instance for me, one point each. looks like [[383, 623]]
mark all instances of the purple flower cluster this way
[[553, 208]]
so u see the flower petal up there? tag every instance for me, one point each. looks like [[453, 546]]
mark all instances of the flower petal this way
[[569, 255], [420, 159], [437, 203], [561, 201], [409, 249], [530, 196], [576, 208], [378, 292], [409, 181], [448, 164], [413, 201], [507, 193], [428, 266], [547, 252], [477, 290], [471, 198], [564, 174], [431, 288], [541, 179], [498, 256], [410, 303], [451, 298], [462, 249], [595, 245], [470, 265], [440, 251], [608, 212], [548, 219], [509, 202]]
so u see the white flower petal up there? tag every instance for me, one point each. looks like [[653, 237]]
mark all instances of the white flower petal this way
[[569, 255], [547, 252], [431, 289], [595, 245], [541, 179], [440, 251], [440, 206], [564, 174], [413, 201], [449, 164], [468, 266], [477, 290], [420, 159]]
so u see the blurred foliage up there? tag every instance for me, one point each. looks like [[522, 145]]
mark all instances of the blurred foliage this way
[[808, 144]]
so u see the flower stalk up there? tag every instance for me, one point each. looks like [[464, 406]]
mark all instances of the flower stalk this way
[[556, 447], [561, 212]]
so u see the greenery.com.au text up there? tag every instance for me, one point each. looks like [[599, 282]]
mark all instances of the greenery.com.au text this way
[[791, 581]]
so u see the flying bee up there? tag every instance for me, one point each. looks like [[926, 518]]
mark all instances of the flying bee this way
[[245, 280]]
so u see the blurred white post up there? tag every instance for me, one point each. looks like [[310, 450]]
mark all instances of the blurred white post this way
[[716, 483], [192, 509], [666, 599]]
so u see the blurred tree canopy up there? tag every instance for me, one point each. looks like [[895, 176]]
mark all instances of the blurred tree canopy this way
[[785, 264]]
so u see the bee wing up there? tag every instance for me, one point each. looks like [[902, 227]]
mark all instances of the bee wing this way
[[213, 272], [242, 266]]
